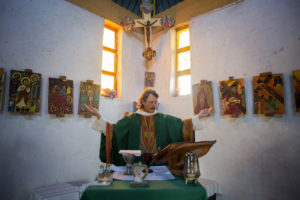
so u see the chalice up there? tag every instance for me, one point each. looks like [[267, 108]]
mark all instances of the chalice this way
[[129, 156], [147, 158]]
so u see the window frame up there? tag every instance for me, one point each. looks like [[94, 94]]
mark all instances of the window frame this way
[[178, 51], [115, 52]]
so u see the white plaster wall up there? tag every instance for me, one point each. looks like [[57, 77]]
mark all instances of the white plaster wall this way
[[254, 157], [55, 37]]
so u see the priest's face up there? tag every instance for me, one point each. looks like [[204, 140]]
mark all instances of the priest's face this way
[[150, 104]]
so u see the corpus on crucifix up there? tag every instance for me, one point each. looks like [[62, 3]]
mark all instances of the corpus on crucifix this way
[[147, 22], [147, 30]]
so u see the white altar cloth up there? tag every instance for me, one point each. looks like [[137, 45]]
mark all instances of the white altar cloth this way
[[211, 187], [61, 191], [159, 173]]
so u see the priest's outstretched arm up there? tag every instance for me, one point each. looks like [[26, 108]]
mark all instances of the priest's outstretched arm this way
[[146, 129], [100, 123]]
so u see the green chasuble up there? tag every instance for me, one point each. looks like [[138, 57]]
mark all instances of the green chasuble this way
[[127, 131]]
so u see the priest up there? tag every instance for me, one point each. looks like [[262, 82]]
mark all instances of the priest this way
[[146, 129]]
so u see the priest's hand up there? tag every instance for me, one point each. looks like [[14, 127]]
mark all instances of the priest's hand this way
[[205, 112], [92, 110]]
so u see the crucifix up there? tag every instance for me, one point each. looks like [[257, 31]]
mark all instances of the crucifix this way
[[147, 23]]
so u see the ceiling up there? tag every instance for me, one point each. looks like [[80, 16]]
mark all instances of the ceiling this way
[[181, 10], [159, 5]]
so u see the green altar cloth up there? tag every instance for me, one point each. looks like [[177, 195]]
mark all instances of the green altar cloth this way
[[165, 190]]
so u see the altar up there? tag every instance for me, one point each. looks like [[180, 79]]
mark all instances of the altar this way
[[169, 190], [87, 190]]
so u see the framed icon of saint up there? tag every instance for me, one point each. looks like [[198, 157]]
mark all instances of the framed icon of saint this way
[[202, 96], [149, 79], [268, 93], [24, 92], [232, 97], [60, 97], [89, 94]]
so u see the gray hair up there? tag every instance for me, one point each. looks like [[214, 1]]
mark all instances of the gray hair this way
[[145, 95]]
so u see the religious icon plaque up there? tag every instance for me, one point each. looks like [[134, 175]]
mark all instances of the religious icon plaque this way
[[60, 98], [268, 94], [149, 79], [89, 95], [202, 96], [24, 91], [232, 97]]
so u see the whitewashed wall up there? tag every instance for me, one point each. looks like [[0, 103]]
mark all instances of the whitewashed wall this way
[[254, 157], [55, 37]]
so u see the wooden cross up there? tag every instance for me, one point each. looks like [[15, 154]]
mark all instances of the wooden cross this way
[[147, 22]]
